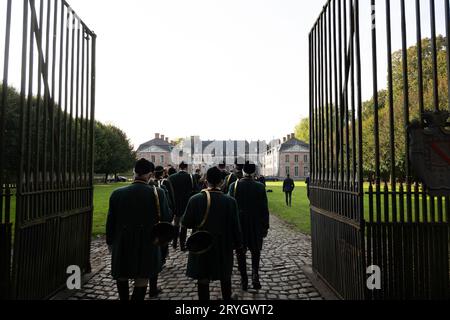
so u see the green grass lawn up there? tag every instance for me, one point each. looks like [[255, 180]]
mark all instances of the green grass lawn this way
[[298, 215], [101, 203]]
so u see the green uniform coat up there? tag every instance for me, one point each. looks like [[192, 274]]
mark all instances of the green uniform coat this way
[[223, 224], [232, 177], [253, 207], [167, 187], [183, 187], [132, 215]]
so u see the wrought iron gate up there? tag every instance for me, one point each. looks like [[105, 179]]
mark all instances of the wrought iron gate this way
[[368, 206], [50, 128]]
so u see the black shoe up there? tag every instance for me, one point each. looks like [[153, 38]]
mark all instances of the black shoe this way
[[175, 244], [256, 282], [155, 294], [139, 294], [244, 284], [124, 290], [226, 290], [203, 291]]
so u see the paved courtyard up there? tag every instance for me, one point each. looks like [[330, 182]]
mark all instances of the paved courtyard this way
[[285, 252]]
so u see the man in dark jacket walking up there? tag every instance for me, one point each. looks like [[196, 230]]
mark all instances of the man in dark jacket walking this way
[[222, 222], [288, 188], [234, 176], [165, 185], [252, 202], [184, 188], [133, 212]]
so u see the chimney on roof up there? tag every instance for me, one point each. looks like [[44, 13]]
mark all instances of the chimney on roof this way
[[167, 139], [156, 135], [163, 137], [284, 139], [292, 135]]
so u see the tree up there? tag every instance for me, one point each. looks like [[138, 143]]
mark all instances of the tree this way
[[400, 126], [11, 134], [113, 151], [302, 130]]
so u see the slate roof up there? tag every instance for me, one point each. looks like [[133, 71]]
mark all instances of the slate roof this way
[[292, 143], [156, 143]]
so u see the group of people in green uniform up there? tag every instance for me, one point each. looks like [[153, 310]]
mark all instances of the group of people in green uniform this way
[[230, 208]]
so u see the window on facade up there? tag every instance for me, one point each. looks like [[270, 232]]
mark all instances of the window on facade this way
[[296, 172], [296, 158], [306, 172], [287, 159], [306, 158], [288, 171], [162, 160], [153, 159]]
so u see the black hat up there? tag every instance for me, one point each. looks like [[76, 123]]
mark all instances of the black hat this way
[[239, 163], [144, 166], [171, 171], [159, 169], [183, 165], [249, 168], [222, 165], [214, 176]]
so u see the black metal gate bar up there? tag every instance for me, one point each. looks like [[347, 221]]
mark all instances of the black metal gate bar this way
[[5, 191], [411, 255], [336, 187], [407, 232], [54, 193]]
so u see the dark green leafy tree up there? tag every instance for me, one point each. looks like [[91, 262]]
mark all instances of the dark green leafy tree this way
[[399, 123], [400, 126], [113, 151]]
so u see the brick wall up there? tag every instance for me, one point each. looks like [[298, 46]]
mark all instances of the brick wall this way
[[296, 160], [156, 158]]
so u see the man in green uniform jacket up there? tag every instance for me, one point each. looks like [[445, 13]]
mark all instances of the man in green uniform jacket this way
[[223, 224], [223, 169], [133, 211], [252, 202], [234, 176], [165, 185], [184, 187]]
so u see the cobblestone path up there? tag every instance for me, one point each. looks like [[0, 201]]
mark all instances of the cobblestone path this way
[[285, 252]]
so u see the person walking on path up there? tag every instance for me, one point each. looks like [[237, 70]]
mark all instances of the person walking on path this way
[[234, 176], [133, 212], [221, 221], [253, 208], [184, 187], [160, 182], [288, 188]]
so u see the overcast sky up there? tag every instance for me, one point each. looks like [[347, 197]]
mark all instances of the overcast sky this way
[[221, 69], [234, 69]]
